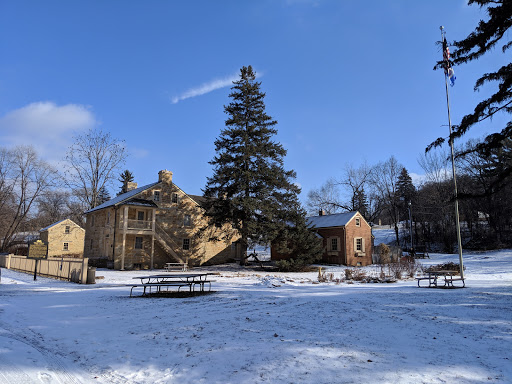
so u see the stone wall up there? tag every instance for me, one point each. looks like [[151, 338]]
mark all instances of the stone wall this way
[[56, 236]]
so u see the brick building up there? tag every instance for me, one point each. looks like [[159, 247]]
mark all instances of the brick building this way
[[346, 239], [64, 238], [149, 226]]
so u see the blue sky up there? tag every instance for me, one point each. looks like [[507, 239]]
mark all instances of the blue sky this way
[[347, 81]]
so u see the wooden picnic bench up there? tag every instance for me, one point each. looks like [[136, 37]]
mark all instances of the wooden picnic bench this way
[[176, 267], [181, 280], [435, 278]]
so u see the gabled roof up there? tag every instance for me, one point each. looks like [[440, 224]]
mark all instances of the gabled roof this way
[[122, 198], [58, 222], [335, 220]]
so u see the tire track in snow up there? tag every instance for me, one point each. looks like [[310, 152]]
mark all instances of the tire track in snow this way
[[55, 365]]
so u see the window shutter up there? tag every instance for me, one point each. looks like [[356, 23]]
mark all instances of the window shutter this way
[[355, 244], [364, 250]]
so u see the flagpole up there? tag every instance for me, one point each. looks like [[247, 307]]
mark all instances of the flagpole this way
[[459, 241]]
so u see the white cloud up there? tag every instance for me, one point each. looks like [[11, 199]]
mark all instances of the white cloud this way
[[138, 153], [417, 179], [206, 88], [49, 128]]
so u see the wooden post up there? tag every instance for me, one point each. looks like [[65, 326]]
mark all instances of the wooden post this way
[[153, 227], [125, 228]]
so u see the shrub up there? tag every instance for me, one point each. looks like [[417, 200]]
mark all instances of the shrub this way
[[292, 265], [384, 254], [444, 267]]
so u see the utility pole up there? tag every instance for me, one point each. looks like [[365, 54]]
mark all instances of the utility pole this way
[[447, 73]]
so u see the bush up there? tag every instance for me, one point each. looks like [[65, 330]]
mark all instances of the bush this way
[[355, 274], [327, 277], [384, 254], [444, 267], [291, 265]]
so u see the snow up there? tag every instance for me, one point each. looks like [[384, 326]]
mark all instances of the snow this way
[[383, 234], [261, 328]]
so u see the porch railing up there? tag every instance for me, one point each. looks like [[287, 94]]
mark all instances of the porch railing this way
[[138, 224]]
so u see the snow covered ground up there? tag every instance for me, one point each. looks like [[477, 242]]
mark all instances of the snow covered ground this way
[[257, 328]]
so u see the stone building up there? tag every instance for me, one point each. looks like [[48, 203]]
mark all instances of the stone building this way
[[64, 238], [149, 226], [346, 239]]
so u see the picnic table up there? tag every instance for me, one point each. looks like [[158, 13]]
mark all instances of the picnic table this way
[[190, 280], [178, 266], [435, 278]]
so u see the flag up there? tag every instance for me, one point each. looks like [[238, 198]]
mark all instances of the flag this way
[[448, 70], [451, 76]]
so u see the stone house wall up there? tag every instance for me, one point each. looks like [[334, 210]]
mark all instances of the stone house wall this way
[[58, 239], [176, 214]]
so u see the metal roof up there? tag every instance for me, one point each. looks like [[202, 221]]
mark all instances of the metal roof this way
[[51, 225], [58, 222], [121, 198], [327, 221]]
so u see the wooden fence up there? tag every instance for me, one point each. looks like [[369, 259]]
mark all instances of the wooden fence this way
[[74, 270]]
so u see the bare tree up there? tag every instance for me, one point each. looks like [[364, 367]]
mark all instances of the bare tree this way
[[345, 193], [435, 164], [25, 179], [93, 161], [326, 198], [384, 180], [52, 206]]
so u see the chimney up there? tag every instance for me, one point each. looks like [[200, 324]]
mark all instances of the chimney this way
[[165, 176], [128, 186], [321, 212]]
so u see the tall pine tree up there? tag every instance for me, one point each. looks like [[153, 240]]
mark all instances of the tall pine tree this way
[[103, 195], [125, 177], [250, 189], [483, 39]]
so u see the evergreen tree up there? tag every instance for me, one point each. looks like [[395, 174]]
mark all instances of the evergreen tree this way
[[406, 192], [125, 177], [360, 202], [483, 39], [405, 187], [298, 240], [103, 196], [250, 189]]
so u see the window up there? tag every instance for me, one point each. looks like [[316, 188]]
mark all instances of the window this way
[[359, 244], [66, 246], [140, 215], [174, 198], [187, 221], [186, 244], [138, 243], [156, 195], [358, 222], [67, 230], [334, 244]]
